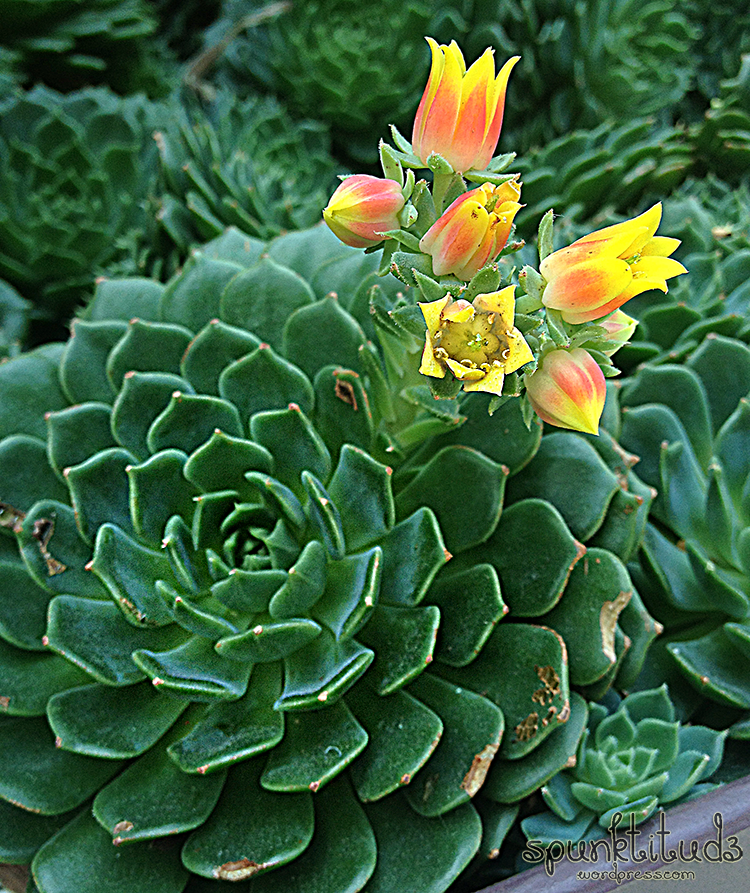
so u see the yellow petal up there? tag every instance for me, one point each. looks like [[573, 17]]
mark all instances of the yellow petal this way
[[464, 373], [502, 302], [458, 311], [641, 229], [661, 245], [432, 313], [519, 352], [430, 366], [657, 267], [491, 383]]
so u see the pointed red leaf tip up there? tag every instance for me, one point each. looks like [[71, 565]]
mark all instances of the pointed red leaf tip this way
[[388, 469], [157, 681], [405, 778], [333, 294], [89, 565], [323, 696], [134, 320], [258, 630], [58, 741], [294, 407], [264, 346], [45, 640], [176, 395], [448, 555], [202, 770], [129, 374], [324, 501], [314, 785]]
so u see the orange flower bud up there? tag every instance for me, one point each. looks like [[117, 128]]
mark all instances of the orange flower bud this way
[[568, 390], [461, 112], [473, 230], [363, 208], [600, 272]]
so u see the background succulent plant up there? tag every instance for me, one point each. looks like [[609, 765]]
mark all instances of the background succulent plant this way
[[78, 170], [632, 758], [241, 163], [232, 560], [68, 44]]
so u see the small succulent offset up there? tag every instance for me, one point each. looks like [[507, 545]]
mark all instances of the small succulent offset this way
[[631, 760], [549, 339]]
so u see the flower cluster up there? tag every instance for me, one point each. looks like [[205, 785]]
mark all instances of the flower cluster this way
[[446, 241]]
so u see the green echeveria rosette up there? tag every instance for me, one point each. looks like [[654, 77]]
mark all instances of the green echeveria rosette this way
[[77, 173], [573, 72], [632, 759], [357, 68], [689, 424], [242, 163], [68, 45], [231, 623]]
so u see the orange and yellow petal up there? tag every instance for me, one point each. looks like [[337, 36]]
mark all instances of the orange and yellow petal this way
[[586, 286], [586, 249], [568, 391]]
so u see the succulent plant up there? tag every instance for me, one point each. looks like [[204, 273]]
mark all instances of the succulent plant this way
[[14, 312], [241, 163], [688, 423], [77, 171], [357, 68], [632, 759], [573, 73], [240, 608], [68, 45]]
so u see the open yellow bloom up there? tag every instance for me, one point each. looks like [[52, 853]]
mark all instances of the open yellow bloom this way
[[600, 272], [475, 341]]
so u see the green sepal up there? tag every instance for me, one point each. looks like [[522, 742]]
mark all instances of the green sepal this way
[[211, 351], [472, 729], [29, 678], [364, 486], [114, 723], [60, 565], [470, 605], [405, 265], [402, 733], [147, 347], [468, 507], [41, 777], [158, 491], [413, 552], [194, 670], [263, 380], [318, 674], [96, 636], [142, 398], [228, 731], [250, 830], [268, 641], [100, 491], [153, 798], [532, 587], [403, 640], [328, 864], [65, 446], [129, 570], [189, 420], [64, 862], [351, 592], [304, 584], [545, 235], [263, 298], [392, 169], [83, 373], [317, 746], [342, 409], [324, 516], [451, 839], [295, 444], [222, 461]]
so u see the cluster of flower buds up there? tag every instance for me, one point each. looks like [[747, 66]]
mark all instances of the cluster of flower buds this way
[[572, 321]]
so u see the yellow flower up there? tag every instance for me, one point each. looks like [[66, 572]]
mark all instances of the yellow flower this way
[[600, 272], [475, 341]]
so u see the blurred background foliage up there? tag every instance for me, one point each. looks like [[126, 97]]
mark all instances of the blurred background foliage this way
[[131, 130]]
